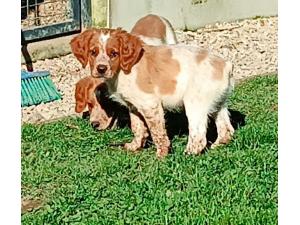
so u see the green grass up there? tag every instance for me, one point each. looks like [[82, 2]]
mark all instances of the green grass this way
[[80, 179]]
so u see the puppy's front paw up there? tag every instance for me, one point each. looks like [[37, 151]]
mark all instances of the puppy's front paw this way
[[162, 152], [132, 146]]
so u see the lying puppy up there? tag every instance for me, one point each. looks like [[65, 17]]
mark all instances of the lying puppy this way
[[85, 96], [147, 79], [103, 112], [152, 29]]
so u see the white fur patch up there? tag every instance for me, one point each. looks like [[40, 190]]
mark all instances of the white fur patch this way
[[151, 41], [103, 38]]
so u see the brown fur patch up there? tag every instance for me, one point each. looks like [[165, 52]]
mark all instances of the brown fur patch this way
[[150, 26], [157, 68], [130, 47], [80, 45], [218, 64], [202, 54]]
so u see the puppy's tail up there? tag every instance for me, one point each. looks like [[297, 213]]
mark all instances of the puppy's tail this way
[[170, 33]]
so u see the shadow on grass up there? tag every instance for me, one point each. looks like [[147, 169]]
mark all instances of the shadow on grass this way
[[177, 124]]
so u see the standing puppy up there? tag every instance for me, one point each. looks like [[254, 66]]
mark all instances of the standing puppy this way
[[152, 29], [147, 79]]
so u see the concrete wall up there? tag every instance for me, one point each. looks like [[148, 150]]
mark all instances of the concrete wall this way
[[189, 14]]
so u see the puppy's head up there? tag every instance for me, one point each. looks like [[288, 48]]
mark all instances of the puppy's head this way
[[85, 96], [107, 51]]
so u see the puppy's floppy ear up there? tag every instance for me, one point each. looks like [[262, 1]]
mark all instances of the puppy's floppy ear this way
[[80, 46], [80, 97], [130, 51]]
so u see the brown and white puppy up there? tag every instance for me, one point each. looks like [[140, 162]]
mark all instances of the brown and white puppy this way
[[85, 96], [152, 29], [147, 79]]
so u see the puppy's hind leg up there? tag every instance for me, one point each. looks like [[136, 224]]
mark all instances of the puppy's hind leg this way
[[197, 114], [224, 127]]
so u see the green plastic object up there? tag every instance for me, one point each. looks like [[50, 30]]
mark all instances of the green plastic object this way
[[37, 87]]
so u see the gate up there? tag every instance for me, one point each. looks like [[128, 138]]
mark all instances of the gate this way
[[44, 19]]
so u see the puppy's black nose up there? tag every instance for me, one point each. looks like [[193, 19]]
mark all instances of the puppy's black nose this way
[[95, 124], [101, 68]]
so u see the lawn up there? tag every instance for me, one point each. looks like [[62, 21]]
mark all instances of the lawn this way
[[72, 174]]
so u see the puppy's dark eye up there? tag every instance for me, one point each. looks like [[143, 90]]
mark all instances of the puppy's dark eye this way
[[94, 52], [113, 54]]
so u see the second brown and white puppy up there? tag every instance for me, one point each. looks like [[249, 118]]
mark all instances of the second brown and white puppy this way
[[152, 29], [85, 97]]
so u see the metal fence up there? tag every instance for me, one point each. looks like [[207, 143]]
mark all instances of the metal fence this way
[[41, 19]]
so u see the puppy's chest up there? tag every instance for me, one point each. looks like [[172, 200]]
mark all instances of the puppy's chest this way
[[125, 91]]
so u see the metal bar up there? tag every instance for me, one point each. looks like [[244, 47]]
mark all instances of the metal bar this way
[[52, 30], [36, 13], [44, 3], [25, 53], [55, 14], [86, 12], [27, 7], [75, 9]]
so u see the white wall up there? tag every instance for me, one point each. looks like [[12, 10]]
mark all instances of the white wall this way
[[189, 14]]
